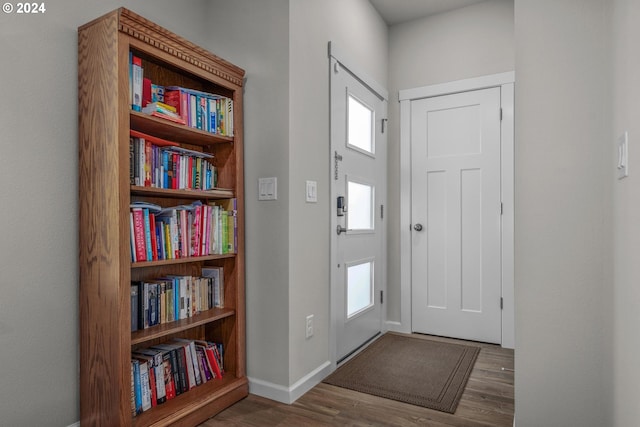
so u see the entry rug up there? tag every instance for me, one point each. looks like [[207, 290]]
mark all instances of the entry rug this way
[[418, 371]]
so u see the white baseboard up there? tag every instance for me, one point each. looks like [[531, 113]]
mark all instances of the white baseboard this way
[[77, 424], [290, 394], [397, 327]]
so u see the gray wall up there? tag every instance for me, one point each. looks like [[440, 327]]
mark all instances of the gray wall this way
[[562, 229], [362, 35], [626, 211], [38, 181], [256, 37], [473, 41]]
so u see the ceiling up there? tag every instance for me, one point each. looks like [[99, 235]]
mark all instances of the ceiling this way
[[398, 11]]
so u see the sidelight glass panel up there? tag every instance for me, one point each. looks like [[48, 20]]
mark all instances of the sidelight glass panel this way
[[360, 124], [360, 199], [359, 287]]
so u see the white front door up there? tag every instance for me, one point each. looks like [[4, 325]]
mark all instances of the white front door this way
[[456, 215], [358, 191]]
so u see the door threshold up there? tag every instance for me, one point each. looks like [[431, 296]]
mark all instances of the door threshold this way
[[358, 349]]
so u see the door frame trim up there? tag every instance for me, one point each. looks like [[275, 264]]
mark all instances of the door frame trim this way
[[506, 81]]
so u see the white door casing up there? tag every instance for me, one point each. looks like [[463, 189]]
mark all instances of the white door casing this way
[[504, 81], [358, 174]]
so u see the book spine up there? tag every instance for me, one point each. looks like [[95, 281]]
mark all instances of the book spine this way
[[169, 385], [147, 235], [133, 393], [137, 84], [144, 386], [137, 385], [144, 292], [134, 307], [154, 238], [146, 91], [138, 229]]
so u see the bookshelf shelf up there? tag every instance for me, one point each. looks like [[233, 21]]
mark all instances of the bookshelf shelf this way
[[145, 264], [212, 396], [175, 131], [105, 48], [214, 194], [160, 331]]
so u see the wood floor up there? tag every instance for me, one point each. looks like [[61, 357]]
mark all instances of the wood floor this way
[[487, 402]]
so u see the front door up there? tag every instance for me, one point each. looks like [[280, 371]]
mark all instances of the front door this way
[[456, 215], [358, 191]]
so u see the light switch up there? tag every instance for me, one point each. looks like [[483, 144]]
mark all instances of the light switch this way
[[312, 192], [623, 156], [268, 188]]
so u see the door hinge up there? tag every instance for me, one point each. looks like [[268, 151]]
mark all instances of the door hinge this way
[[501, 208], [501, 303], [384, 121], [381, 297], [381, 211], [500, 114]]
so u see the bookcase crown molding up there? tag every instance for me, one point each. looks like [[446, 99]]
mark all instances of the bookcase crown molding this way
[[154, 35]]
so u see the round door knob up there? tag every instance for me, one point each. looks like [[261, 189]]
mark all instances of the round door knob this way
[[417, 227]]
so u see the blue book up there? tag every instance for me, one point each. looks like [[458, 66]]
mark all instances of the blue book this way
[[165, 167], [137, 386]]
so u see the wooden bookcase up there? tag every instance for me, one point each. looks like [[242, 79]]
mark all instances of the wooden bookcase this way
[[106, 270]]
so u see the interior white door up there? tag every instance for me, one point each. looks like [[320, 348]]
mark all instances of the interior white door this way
[[358, 191], [456, 215]]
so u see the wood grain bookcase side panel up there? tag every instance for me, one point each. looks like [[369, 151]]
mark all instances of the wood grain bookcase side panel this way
[[106, 270], [103, 262]]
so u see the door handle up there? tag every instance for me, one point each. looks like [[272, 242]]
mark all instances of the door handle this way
[[417, 227], [340, 230]]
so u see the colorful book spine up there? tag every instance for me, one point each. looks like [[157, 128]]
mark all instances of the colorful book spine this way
[[138, 229], [137, 84]]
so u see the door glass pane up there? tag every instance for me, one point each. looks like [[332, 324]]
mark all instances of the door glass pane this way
[[359, 287], [360, 124], [359, 206]]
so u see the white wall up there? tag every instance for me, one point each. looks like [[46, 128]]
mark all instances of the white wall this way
[[38, 181], [469, 42], [562, 227], [626, 204]]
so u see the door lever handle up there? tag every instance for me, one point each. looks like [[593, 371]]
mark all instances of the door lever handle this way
[[340, 230]]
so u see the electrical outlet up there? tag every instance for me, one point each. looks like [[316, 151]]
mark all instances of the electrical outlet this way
[[309, 326]]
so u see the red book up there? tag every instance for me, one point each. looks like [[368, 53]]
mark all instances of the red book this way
[[154, 241], [169, 384], [154, 140], [211, 357], [168, 117], [153, 387], [176, 171], [138, 231], [146, 91]]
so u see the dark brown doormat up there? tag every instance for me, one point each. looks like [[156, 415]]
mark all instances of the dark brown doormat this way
[[414, 370]]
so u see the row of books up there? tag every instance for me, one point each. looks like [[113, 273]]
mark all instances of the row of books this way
[[183, 231], [201, 110], [167, 299], [170, 167], [164, 371]]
